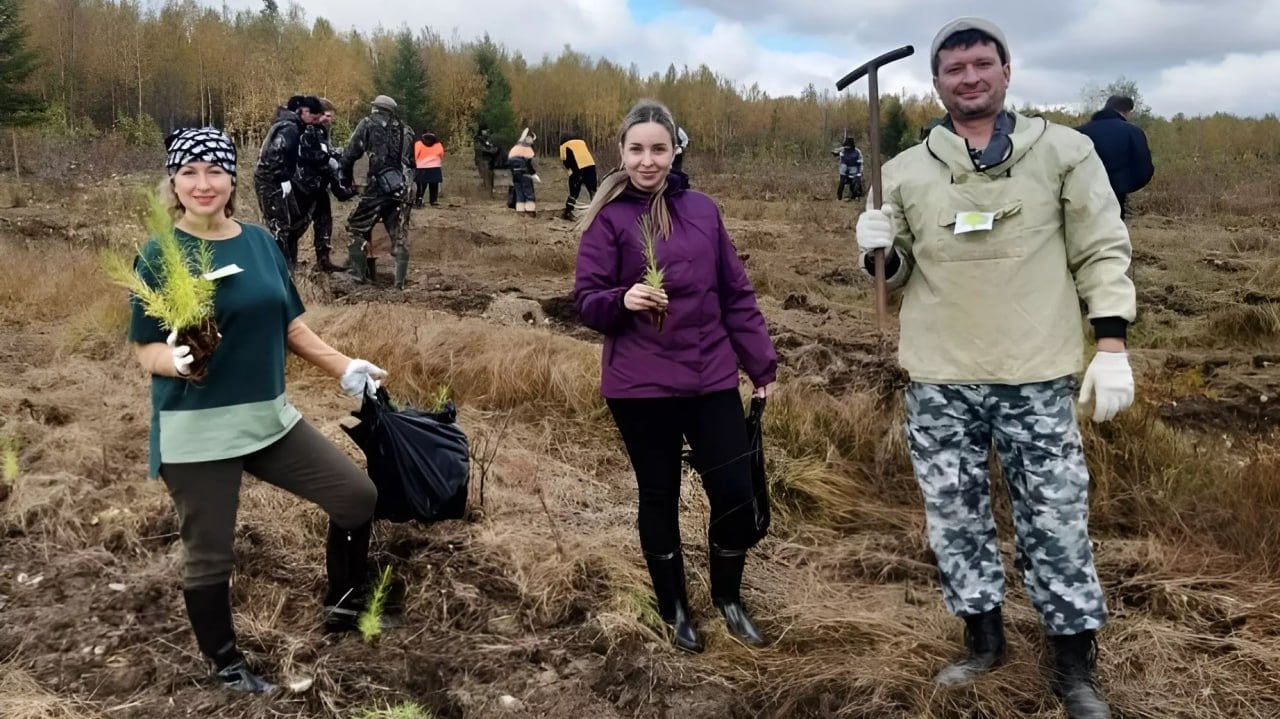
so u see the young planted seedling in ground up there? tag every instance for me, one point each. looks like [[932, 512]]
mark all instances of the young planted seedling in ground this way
[[8, 460], [370, 622], [182, 299], [439, 399], [404, 710], [8, 465], [653, 274]]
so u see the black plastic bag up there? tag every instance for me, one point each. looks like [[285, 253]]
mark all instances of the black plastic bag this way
[[759, 480], [418, 460]]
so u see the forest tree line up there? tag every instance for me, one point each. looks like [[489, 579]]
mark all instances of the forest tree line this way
[[118, 66]]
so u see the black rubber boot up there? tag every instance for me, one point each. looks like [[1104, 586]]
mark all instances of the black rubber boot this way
[[840, 190], [1075, 661], [209, 609], [347, 565], [323, 264], [401, 272], [984, 638], [667, 573], [358, 264], [726, 567], [372, 264]]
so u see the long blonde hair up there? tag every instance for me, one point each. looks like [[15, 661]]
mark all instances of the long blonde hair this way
[[615, 182]]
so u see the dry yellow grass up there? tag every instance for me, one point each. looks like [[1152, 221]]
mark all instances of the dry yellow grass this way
[[21, 697], [510, 369]]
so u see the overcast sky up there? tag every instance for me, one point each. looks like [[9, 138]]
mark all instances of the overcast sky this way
[[1189, 56]]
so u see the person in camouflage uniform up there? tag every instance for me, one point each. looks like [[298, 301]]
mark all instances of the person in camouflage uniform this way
[[286, 210], [995, 229], [386, 198]]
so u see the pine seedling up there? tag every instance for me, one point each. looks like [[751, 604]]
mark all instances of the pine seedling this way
[[370, 622], [403, 710], [653, 274], [182, 299], [8, 460], [439, 399]]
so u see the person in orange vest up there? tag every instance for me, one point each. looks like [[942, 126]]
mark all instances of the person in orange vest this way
[[428, 159], [582, 170]]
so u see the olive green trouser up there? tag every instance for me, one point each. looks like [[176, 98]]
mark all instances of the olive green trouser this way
[[207, 495]]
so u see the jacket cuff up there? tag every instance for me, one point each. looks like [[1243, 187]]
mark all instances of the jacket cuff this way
[[769, 376], [891, 263], [1113, 327]]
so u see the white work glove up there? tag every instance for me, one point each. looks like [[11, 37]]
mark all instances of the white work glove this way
[[182, 358], [286, 187], [537, 179], [875, 229], [361, 375], [1109, 383]]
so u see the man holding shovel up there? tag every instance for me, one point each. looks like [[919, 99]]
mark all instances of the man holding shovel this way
[[994, 229]]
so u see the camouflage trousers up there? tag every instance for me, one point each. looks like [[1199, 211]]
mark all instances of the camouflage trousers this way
[[950, 430], [393, 213]]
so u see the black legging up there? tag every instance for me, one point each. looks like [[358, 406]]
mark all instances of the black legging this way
[[855, 187], [654, 431], [422, 180]]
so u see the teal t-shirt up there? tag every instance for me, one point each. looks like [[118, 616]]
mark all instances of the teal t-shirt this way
[[240, 407]]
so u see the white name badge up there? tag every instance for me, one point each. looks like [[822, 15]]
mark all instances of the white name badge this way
[[974, 221], [223, 272]]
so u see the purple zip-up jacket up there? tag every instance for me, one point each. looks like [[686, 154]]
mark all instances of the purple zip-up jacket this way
[[712, 322]]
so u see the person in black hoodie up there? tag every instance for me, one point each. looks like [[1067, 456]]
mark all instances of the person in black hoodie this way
[[318, 174], [281, 204], [1122, 146]]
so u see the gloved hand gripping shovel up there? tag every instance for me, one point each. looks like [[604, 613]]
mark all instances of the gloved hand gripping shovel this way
[[869, 69]]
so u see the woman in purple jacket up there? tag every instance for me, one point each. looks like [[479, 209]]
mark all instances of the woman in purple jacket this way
[[677, 379]]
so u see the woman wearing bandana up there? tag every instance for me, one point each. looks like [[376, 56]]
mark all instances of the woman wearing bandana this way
[[238, 419]]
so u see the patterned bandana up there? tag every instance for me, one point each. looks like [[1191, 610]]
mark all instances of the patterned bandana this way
[[202, 144]]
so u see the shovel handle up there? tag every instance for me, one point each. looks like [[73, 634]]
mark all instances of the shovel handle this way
[[882, 289], [869, 70]]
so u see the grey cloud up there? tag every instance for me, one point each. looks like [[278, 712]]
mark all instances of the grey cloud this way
[[1178, 51]]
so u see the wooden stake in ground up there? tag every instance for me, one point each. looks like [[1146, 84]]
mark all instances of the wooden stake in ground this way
[[869, 69], [17, 173]]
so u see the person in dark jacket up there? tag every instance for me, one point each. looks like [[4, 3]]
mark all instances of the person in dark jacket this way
[[1122, 146], [850, 169], [388, 142], [317, 173], [486, 154], [285, 211], [670, 362], [581, 165], [682, 144]]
